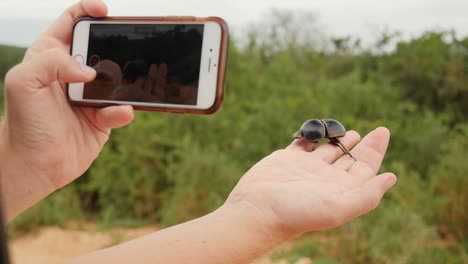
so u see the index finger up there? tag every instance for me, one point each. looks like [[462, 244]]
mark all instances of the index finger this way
[[301, 144], [62, 28]]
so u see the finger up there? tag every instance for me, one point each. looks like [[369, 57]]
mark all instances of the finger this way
[[329, 152], [153, 75], [163, 71], [369, 154], [345, 162], [162, 74], [366, 197], [48, 67], [147, 86], [110, 68], [114, 117], [153, 71], [139, 84], [301, 144], [62, 28]]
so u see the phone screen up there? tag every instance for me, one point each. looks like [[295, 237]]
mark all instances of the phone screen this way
[[157, 63]]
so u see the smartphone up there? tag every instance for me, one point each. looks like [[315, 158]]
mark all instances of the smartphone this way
[[168, 64]]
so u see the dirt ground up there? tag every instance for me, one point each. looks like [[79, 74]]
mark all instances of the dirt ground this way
[[54, 245]]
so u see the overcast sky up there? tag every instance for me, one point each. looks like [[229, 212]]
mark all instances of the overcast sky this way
[[22, 20]]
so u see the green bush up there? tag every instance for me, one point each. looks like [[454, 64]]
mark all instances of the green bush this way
[[392, 234], [449, 183], [193, 179], [433, 71], [304, 248], [167, 180], [2, 97], [58, 209], [9, 56]]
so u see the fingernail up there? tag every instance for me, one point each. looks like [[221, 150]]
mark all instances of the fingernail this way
[[103, 3], [389, 182], [87, 70]]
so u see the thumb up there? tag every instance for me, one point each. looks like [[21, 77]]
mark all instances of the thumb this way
[[46, 68]]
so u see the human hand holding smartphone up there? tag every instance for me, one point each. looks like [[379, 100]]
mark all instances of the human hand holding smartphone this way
[[169, 64]]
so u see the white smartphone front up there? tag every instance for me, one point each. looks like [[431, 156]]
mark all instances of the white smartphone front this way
[[163, 64]]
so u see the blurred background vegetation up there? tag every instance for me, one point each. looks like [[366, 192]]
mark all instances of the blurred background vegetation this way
[[167, 169]]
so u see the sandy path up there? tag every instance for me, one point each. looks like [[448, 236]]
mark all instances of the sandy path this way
[[54, 245]]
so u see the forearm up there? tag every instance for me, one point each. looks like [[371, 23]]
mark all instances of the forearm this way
[[20, 186], [229, 236]]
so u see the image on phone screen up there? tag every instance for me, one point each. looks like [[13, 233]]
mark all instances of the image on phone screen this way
[[157, 63]]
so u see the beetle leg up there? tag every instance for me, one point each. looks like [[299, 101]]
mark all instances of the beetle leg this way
[[337, 143]]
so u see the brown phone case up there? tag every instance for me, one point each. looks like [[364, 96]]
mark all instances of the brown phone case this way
[[221, 65]]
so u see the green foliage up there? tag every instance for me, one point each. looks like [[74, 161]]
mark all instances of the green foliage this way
[[449, 183], [166, 180], [193, 179], [301, 249], [392, 234], [433, 70], [170, 168], [58, 209], [2, 95], [9, 56]]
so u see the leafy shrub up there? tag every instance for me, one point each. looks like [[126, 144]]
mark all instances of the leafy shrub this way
[[304, 248], [433, 71], [449, 183], [57, 209], [2, 94], [391, 234], [201, 181], [9, 56]]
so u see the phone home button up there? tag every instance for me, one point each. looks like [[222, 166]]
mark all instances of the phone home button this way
[[79, 58]]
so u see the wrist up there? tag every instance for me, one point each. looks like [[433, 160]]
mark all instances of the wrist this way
[[20, 185], [262, 226]]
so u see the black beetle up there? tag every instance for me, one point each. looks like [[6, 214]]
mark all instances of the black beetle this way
[[315, 129]]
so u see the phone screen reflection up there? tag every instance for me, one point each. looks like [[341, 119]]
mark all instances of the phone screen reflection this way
[[157, 63]]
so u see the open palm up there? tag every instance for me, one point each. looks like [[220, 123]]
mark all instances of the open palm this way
[[299, 191]]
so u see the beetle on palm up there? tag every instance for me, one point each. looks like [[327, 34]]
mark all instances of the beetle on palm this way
[[316, 129]]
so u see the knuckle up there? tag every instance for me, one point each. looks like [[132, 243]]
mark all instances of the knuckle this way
[[77, 10], [363, 168], [53, 60], [368, 170]]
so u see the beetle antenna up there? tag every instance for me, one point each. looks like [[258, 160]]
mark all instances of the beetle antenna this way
[[340, 146]]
